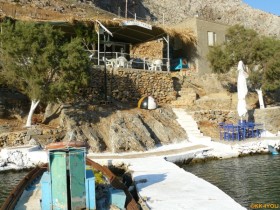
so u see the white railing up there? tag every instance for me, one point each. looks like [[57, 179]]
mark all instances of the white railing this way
[[132, 61]]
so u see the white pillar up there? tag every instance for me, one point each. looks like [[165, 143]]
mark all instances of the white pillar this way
[[98, 47], [168, 58], [126, 9], [259, 91]]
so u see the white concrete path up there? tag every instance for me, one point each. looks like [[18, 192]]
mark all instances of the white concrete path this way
[[165, 186]]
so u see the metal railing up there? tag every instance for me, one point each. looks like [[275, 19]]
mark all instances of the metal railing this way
[[134, 61]]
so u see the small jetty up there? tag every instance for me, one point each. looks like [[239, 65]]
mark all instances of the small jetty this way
[[162, 185]]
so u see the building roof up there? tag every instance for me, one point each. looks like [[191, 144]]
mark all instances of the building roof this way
[[129, 33], [136, 33]]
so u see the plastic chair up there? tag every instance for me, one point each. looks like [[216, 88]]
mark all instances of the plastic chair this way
[[121, 62], [241, 131], [109, 63], [231, 132], [150, 65], [221, 130], [250, 130], [258, 131], [129, 64], [157, 65]]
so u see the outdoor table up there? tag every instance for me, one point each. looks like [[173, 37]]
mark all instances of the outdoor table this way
[[239, 131]]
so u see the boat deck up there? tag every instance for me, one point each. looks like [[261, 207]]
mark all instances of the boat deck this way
[[30, 199]]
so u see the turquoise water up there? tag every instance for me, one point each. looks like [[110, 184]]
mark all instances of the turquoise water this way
[[251, 180], [8, 180]]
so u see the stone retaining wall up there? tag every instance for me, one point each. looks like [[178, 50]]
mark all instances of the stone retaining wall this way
[[269, 116], [129, 85], [41, 136], [208, 120], [215, 116]]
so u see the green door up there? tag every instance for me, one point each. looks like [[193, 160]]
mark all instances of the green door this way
[[59, 180], [77, 178]]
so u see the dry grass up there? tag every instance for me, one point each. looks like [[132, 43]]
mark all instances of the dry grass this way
[[186, 34], [151, 50]]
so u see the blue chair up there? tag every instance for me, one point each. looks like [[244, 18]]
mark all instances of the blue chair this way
[[258, 130], [230, 132], [241, 132], [226, 134], [221, 130], [250, 130], [242, 127]]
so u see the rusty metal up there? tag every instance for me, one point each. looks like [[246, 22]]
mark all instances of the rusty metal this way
[[64, 144], [14, 196], [130, 203]]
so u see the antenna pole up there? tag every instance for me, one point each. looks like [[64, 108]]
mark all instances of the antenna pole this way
[[125, 8]]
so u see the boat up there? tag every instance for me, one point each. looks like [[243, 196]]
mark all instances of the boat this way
[[67, 181], [272, 150]]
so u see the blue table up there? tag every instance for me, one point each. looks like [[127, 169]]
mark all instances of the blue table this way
[[240, 131]]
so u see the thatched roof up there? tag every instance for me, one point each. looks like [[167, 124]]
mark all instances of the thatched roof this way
[[186, 34]]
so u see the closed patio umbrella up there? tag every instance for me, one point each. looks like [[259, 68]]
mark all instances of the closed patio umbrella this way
[[241, 90]]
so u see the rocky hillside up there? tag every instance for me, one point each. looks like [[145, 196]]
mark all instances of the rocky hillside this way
[[229, 12], [104, 128]]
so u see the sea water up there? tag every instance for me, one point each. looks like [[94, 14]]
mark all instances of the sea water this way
[[252, 181], [8, 180]]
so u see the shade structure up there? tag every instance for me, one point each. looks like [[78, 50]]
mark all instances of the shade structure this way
[[242, 90], [147, 102]]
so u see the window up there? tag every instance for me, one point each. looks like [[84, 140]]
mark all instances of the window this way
[[212, 37]]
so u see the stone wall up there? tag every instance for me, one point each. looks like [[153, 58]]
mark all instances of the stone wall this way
[[215, 116], [208, 120], [23, 137], [129, 85], [269, 116]]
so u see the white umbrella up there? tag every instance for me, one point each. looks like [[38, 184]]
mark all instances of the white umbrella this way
[[241, 90]]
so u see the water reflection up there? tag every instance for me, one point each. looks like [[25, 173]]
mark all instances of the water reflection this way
[[251, 179], [8, 180]]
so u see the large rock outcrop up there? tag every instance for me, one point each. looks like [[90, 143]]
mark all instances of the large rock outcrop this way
[[123, 130], [103, 128]]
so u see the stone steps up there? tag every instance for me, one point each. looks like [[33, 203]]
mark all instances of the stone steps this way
[[190, 126], [186, 98]]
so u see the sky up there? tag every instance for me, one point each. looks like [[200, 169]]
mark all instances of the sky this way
[[271, 6]]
